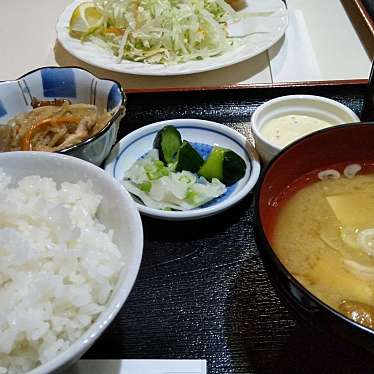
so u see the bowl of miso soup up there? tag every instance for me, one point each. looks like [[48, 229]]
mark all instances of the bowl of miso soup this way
[[315, 229]]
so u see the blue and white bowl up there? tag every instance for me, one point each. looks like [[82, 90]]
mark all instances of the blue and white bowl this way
[[203, 135], [78, 86]]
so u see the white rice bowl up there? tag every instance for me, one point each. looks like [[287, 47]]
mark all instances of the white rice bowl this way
[[61, 264]]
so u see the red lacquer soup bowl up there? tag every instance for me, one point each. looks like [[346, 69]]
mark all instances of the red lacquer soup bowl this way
[[296, 165]]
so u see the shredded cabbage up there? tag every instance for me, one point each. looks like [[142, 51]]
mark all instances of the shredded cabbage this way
[[159, 187], [163, 31]]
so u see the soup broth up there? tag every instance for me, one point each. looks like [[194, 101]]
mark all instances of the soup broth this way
[[324, 235]]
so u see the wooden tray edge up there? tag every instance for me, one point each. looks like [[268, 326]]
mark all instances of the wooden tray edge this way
[[365, 15], [249, 86]]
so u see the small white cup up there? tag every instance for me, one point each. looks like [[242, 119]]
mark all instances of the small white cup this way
[[309, 105]]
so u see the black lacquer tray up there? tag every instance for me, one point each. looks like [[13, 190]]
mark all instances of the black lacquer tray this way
[[202, 291]]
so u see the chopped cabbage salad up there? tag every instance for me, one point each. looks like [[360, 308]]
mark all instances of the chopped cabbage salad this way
[[155, 31], [159, 187]]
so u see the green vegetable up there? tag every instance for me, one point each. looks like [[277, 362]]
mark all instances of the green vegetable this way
[[223, 164], [145, 186], [167, 141], [159, 187], [188, 158], [156, 169], [212, 167], [233, 168]]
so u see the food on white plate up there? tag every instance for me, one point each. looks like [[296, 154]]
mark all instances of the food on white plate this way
[[174, 176], [58, 268], [159, 187], [155, 32], [237, 4], [283, 130], [221, 163], [52, 126], [324, 235], [168, 141]]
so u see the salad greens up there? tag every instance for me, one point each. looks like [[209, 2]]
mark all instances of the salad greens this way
[[155, 31]]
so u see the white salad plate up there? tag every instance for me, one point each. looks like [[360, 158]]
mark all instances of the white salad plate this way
[[139, 142], [269, 17]]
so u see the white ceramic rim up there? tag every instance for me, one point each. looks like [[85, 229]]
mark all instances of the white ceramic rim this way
[[197, 212], [111, 310], [191, 67], [265, 105]]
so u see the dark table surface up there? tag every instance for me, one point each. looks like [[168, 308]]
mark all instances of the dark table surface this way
[[202, 291]]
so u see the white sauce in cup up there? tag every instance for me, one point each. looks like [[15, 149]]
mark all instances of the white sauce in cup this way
[[282, 131]]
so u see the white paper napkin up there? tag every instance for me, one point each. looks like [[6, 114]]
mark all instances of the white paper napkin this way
[[138, 367], [293, 59]]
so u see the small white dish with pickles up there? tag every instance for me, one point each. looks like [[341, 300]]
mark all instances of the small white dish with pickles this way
[[184, 169], [283, 120]]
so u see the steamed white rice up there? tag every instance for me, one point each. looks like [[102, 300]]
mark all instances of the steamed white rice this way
[[58, 267]]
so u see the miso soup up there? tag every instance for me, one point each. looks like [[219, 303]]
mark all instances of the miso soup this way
[[324, 235]]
